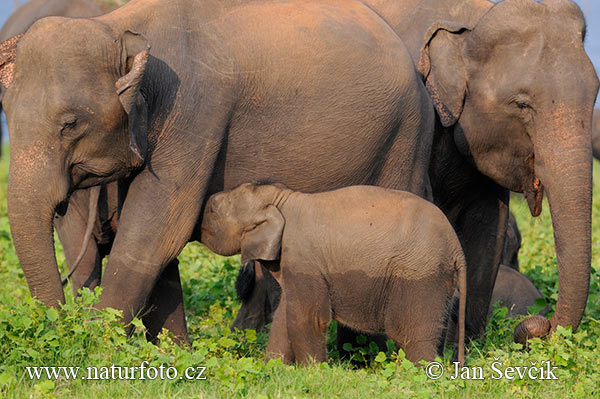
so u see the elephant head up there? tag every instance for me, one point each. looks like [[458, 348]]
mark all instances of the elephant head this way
[[517, 92], [244, 220], [77, 117]]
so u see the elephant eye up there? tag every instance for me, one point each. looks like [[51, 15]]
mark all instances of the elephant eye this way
[[68, 125], [522, 101], [523, 105]]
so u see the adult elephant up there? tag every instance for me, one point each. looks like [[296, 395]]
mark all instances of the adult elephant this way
[[324, 95], [33, 10], [514, 91], [596, 134]]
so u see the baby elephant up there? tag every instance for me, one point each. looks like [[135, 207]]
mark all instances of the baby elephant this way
[[376, 260]]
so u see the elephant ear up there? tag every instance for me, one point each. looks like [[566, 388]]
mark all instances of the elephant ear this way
[[264, 241], [135, 50], [8, 53], [442, 66]]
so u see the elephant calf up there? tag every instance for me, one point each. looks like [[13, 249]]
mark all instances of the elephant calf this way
[[374, 259]]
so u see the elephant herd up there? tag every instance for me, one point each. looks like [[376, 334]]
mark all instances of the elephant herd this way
[[123, 125]]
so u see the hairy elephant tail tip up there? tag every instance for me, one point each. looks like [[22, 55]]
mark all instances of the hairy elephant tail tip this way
[[532, 327], [244, 284]]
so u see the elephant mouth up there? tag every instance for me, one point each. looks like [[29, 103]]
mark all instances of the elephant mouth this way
[[534, 193], [534, 189]]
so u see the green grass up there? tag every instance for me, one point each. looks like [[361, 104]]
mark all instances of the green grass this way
[[33, 335]]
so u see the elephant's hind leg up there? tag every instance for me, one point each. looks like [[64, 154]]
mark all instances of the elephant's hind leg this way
[[415, 318]]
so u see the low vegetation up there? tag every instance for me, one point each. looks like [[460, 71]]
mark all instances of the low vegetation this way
[[33, 335]]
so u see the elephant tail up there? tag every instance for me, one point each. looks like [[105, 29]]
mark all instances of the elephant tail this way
[[461, 269], [92, 215]]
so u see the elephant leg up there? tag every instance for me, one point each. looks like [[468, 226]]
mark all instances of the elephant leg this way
[[165, 308], [279, 345], [308, 315], [416, 313], [157, 220], [481, 227], [164, 202]]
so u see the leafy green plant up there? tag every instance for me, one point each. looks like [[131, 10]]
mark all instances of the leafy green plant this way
[[78, 335]]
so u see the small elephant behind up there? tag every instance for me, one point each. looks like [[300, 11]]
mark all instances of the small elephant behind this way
[[374, 259], [515, 291]]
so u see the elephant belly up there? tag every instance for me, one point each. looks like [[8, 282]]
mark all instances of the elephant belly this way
[[360, 301], [307, 163]]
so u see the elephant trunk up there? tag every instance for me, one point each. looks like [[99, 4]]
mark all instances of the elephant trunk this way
[[563, 162], [32, 201]]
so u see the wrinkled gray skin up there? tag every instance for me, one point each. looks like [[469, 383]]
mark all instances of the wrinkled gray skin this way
[[596, 134], [377, 260], [190, 97], [33, 10], [502, 127]]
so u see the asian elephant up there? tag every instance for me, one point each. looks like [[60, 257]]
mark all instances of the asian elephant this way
[[190, 97], [596, 134], [514, 91], [33, 10], [377, 260]]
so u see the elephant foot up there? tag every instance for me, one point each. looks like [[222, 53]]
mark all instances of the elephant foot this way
[[531, 327]]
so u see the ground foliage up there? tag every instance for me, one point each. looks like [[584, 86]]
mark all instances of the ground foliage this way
[[34, 335]]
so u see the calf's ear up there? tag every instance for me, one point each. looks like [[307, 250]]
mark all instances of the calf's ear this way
[[135, 50], [263, 242]]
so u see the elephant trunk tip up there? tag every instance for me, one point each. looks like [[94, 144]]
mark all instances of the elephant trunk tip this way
[[532, 327]]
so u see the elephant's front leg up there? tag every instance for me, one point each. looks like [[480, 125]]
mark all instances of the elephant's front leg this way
[[165, 307], [481, 227], [157, 220], [308, 314]]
